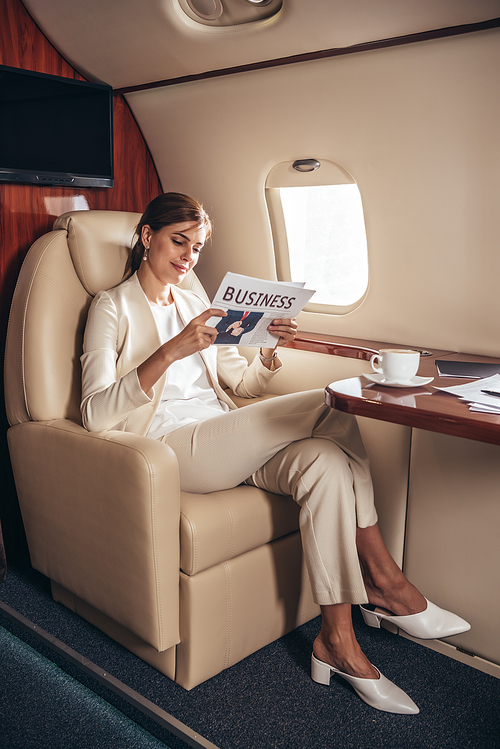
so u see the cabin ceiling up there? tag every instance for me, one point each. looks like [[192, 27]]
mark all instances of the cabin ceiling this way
[[132, 42]]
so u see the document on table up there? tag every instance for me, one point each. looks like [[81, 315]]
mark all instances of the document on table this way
[[473, 393]]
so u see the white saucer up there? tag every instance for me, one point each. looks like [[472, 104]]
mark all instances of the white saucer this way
[[415, 382]]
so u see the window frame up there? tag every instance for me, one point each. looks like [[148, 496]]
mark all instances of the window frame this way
[[284, 175]]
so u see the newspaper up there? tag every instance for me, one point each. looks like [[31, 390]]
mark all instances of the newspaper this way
[[251, 305]]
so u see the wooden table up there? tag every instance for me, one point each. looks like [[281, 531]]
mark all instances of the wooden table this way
[[423, 407], [442, 528]]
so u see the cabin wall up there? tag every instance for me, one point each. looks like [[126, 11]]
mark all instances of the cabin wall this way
[[416, 125], [28, 211]]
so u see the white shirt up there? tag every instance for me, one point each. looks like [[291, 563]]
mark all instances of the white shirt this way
[[187, 396]]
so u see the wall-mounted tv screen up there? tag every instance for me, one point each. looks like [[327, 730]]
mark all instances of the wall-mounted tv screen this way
[[55, 131]]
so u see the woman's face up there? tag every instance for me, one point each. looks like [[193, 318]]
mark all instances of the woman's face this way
[[173, 251]]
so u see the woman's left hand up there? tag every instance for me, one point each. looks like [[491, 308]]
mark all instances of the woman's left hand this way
[[285, 329]]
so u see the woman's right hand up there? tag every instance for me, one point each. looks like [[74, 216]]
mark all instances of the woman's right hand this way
[[195, 337]]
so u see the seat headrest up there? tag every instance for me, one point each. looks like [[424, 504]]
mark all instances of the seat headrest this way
[[99, 243]]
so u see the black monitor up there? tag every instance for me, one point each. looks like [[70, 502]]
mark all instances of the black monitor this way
[[55, 131]]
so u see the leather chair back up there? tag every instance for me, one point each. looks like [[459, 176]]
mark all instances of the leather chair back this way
[[64, 269]]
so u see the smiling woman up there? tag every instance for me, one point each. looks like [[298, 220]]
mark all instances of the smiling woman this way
[[169, 255], [150, 367], [162, 212]]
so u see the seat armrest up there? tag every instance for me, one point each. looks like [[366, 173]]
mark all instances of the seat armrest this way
[[101, 512]]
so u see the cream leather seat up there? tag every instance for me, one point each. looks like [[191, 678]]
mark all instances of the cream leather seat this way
[[190, 583]]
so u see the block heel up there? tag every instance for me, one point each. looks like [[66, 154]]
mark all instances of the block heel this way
[[371, 618], [379, 693], [320, 671]]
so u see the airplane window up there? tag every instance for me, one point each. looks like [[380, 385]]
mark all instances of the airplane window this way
[[319, 234]]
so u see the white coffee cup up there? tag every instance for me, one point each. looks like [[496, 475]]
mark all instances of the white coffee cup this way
[[396, 364]]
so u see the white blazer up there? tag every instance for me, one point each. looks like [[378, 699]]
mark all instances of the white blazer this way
[[121, 333]]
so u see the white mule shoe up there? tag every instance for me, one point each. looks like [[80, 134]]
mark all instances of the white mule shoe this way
[[379, 693], [430, 624]]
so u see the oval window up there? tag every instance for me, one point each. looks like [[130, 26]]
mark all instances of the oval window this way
[[319, 234]]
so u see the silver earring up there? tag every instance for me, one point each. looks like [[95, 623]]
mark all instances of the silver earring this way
[[145, 256]]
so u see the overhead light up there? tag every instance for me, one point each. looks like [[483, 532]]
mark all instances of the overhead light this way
[[305, 165], [231, 14]]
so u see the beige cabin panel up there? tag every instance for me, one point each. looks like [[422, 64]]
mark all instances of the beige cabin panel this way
[[308, 370], [388, 448], [452, 551], [426, 164]]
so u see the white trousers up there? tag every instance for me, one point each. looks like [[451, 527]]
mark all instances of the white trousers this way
[[292, 444]]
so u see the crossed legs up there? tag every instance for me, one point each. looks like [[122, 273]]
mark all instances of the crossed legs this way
[[296, 445]]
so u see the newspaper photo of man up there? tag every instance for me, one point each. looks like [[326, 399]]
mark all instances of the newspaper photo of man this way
[[235, 325]]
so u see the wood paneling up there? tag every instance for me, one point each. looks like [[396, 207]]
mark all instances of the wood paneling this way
[[28, 211], [22, 44]]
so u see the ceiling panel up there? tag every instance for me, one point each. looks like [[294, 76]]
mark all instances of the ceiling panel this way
[[126, 42]]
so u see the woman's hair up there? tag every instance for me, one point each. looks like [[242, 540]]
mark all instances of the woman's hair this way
[[169, 208]]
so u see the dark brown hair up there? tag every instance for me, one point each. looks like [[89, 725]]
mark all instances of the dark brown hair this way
[[169, 208]]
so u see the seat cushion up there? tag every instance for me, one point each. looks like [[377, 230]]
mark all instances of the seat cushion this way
[[219, 526]]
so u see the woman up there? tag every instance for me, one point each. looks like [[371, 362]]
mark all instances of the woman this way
[[149, 367]]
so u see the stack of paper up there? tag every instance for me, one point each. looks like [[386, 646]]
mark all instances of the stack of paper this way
[[475, 395]]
